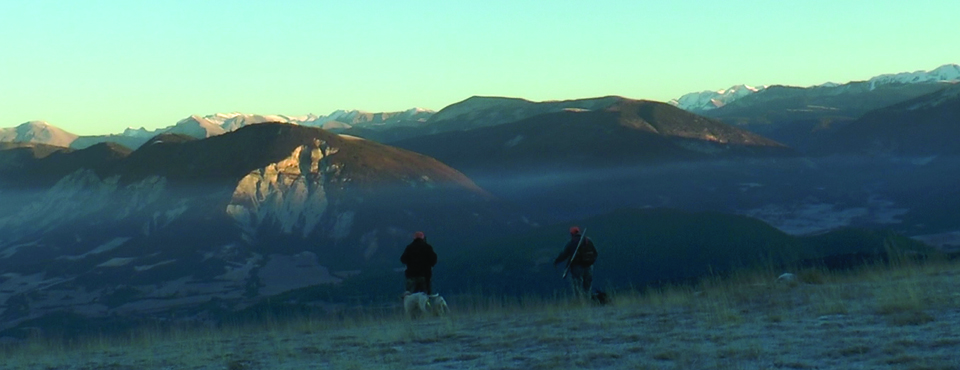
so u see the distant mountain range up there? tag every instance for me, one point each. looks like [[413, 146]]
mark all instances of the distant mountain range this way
[[795, 116], [212, 125], [709, 100], [804, 117]]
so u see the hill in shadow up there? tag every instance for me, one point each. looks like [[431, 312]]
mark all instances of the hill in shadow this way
[[640, 247], [925, 126], [625, 133]]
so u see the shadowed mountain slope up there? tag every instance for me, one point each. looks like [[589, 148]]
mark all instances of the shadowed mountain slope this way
[[476, 112], [625, 133], [924, 126], [16, 155], [484, 111], [800, 116], [39, 165]]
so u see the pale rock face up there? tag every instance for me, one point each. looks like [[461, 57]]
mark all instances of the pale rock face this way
[[513, 142], [106, 247], [341, 229], [371, 242], [289, 193], [82, 194]]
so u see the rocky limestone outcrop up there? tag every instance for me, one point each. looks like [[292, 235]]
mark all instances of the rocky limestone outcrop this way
[[289, 193]]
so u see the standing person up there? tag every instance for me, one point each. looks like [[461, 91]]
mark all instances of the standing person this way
[[420, 259], [581, 264]]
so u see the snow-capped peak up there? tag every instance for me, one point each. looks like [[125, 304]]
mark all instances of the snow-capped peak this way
[[39, 126], [739, 88], [225, 116], [217, 123], [37, 132], [136, 132], [194, 119], [707, 100], [944, 73], [712, 99], [948, 72]]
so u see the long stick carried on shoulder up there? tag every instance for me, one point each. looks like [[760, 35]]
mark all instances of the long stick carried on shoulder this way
[[583, 234]]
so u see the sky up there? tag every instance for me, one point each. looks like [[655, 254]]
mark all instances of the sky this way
[[99, 66]]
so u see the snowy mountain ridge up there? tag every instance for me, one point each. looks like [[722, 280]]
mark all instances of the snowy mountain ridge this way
[[200, 127], [706, 100], [219, 123], [37, 131], [944, 73], [709, 100]]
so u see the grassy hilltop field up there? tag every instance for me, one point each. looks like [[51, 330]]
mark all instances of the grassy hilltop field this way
[[901, 315]]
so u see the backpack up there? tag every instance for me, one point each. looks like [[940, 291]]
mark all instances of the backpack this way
[[587, 254]]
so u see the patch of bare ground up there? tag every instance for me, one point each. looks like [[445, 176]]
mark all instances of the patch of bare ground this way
[[903, 317]]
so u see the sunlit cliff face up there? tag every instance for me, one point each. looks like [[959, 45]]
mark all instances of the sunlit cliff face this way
[[290, 193]]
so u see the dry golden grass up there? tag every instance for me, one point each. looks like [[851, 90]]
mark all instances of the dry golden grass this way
[[877, 317]]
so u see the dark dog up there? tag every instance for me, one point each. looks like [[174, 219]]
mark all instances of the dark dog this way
[[600, 297]]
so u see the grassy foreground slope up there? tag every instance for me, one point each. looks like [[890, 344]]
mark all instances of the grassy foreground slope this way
[[897, 316]]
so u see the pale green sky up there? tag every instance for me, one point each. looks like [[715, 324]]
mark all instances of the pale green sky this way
[[99, 66]]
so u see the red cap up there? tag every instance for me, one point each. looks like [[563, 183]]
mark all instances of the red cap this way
[[418, 235], [574, 230]]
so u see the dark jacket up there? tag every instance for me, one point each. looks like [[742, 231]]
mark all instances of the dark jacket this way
[[571, 247], [419, 258]]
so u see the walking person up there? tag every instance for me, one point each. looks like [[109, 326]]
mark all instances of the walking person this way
[[420, 259], [581, 255]]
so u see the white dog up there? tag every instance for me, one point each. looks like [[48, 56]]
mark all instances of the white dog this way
[[438, 305], [418, 304], [787, 278]]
